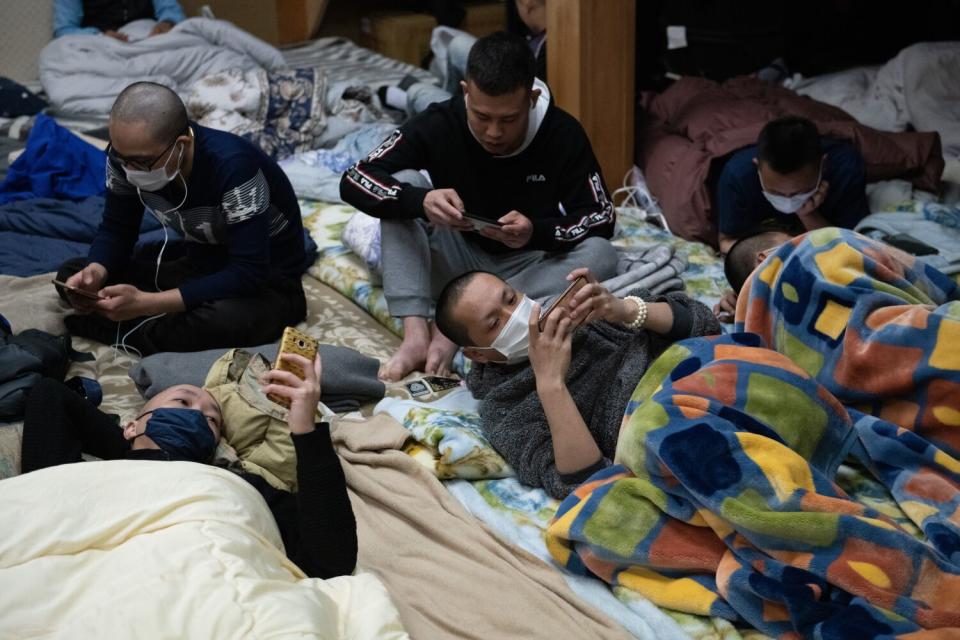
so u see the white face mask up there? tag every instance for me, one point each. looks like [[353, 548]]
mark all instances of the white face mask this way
[[514, 339], [789, 204], [157, 178]]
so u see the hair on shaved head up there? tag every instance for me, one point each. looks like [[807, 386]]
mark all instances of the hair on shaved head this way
[[448, 325], [156, 106]]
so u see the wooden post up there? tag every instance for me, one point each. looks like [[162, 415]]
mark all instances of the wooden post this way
[[590, 71]]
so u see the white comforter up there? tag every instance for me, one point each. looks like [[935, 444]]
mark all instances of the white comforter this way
[[83, 74], [920, 88], [128, 549]]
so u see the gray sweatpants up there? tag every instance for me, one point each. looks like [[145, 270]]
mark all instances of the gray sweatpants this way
[[419, 260]]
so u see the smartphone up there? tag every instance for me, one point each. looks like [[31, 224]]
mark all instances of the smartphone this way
[[439, 383], [563, 300], [80, 292], [293, 341], [481, 223]]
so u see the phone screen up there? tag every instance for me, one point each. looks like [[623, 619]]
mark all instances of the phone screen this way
[[562, 299]]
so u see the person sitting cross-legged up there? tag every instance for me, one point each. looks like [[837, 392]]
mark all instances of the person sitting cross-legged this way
[[239, 282], [500, 152]]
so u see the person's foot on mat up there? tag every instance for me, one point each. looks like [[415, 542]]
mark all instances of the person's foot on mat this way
[[412, 354], [440, 353]]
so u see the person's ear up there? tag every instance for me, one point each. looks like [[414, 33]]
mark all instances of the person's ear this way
[[534, 96], [463, 87], [761, 256], [476, 355], [755, 163]]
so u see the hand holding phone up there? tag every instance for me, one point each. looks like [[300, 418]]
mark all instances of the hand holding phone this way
[[479, 224], [563, 301], [83, 293], [293, 342]]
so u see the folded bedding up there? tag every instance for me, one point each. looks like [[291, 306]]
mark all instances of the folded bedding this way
[[83, 74], [128, 549]]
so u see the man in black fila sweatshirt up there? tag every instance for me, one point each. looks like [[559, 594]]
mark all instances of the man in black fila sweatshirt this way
[[501, 152]]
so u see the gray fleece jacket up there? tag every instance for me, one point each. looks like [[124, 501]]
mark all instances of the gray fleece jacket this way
[[606, 364]]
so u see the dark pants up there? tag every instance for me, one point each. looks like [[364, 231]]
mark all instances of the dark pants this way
[[233, 322]]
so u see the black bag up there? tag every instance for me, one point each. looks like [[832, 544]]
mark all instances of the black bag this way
[[24, 359]]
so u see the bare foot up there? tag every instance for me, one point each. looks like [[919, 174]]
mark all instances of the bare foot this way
[[440, 353], [412, 354]]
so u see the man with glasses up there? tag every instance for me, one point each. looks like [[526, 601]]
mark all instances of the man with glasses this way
[[792, 181], [239, 280]]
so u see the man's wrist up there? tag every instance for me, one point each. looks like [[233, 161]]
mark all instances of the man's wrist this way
[[551, 386]]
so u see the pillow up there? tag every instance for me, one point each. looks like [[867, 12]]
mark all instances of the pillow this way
[[362, 236]]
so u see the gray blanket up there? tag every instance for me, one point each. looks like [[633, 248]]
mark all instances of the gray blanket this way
[[656, 269], [349, 378]]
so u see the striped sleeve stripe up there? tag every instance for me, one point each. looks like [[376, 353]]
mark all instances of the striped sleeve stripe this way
[[575, 231], [370, 185]]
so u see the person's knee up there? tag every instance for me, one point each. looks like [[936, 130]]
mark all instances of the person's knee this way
[[600, 256], [413, 178]]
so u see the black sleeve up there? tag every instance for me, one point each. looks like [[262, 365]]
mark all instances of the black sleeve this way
[[317, 523], [586, 203], [120, 227], [58, 425], [691, 318], [370, 186]]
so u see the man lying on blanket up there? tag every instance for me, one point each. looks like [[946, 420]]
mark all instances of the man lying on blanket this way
[[723, 500], [184, 422], [553, 399]]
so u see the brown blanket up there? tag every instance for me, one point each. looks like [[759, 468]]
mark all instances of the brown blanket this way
[[449, 576], [696, 121]]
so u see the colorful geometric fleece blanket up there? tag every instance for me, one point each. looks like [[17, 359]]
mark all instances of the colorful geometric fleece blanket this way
[[876, 327], [723, 503]]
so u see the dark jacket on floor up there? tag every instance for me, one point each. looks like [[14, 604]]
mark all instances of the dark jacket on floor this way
[[606, 365]]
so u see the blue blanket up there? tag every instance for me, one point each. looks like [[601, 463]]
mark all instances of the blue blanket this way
[[55, 164], [38, 235]]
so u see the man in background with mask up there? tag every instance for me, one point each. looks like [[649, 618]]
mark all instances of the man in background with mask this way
[[552, 400], [183, 423], [501, 152], [239, 283], [792, 180]]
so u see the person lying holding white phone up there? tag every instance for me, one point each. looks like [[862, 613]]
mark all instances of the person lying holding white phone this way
[[552, 398]]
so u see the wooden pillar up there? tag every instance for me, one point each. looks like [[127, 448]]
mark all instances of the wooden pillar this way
[[590, 71]]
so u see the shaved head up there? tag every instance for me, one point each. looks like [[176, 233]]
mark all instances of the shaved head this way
[[154, 107]]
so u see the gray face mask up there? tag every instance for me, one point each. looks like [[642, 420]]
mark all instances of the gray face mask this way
[[513, 340]]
